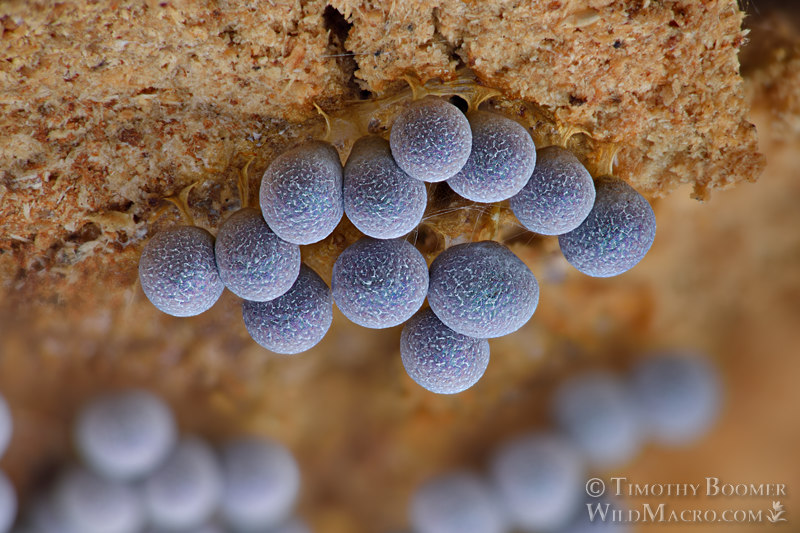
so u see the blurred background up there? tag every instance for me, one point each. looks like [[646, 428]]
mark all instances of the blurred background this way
[[723, 278]]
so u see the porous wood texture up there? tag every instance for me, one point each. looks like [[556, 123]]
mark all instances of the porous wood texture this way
[[109, 107]]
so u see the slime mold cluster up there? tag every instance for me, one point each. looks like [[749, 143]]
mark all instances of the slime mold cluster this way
[[136, 473], [476, 290], [536, 481]]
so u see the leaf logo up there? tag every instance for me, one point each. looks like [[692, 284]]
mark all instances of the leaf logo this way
[[775, 514]]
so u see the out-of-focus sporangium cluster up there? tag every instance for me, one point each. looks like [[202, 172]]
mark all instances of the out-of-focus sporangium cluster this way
[[537, 480], [476, 290], [137, 474]]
